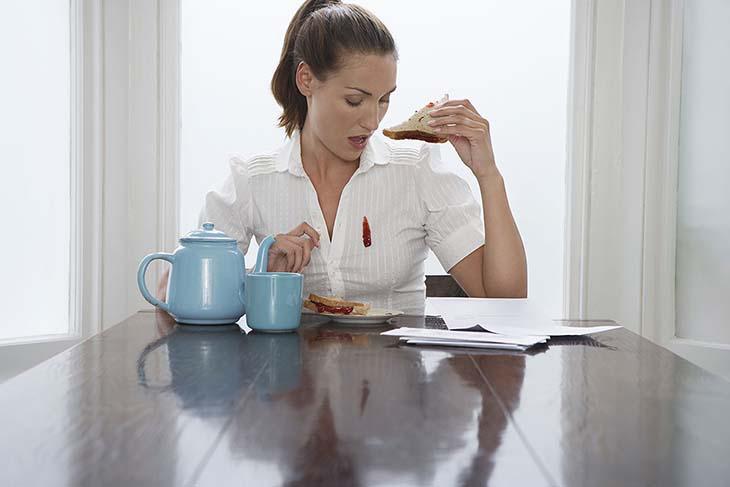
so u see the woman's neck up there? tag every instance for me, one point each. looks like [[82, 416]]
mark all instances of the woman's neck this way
[[320, 163]]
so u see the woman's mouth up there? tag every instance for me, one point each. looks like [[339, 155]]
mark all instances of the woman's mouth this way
[[358, 142]]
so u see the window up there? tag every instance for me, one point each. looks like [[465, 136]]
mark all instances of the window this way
[[35, 169], [515, 71], [703, 228]]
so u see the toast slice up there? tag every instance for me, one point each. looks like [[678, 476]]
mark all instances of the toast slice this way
[[416, 127], [335, 305]]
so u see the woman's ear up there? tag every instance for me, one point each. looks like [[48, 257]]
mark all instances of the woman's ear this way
[[304, 79]]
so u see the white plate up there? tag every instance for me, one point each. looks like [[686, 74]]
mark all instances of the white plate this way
[[374, 316]]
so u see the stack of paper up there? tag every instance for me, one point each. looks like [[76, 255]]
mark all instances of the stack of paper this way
[[511, 324], [514, 317], [425, 336], [525, 326]]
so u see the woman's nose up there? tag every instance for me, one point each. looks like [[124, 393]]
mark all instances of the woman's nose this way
[[372, 120]]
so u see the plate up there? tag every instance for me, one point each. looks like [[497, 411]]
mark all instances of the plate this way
[[374, 316]]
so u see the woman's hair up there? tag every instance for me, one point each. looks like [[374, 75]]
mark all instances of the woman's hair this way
[[319, 34]]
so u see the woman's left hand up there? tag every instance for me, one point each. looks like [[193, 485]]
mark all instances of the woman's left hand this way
[[468, 132]]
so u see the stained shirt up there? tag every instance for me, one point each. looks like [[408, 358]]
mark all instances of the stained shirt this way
[[411, 201]]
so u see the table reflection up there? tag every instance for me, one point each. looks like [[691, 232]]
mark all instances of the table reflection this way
[[210, 366], [169, 405], [332, 405], [366, 412]]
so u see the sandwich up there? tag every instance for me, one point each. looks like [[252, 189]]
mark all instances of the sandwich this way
[[335, 305], [416, 127]]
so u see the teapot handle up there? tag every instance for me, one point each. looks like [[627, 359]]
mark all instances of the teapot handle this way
[[262, 259], [143, 286], [141, 374]]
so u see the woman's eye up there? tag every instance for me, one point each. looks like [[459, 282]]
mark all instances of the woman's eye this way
[[358, 103]]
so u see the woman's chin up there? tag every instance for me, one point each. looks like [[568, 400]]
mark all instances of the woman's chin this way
[[351, 154]]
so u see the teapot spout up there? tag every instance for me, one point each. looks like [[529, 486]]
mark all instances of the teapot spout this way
[[262, 259]]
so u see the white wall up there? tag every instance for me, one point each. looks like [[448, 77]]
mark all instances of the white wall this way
[[703, 219], [510, 59]]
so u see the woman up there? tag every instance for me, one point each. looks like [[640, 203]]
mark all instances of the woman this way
[[334, 81]]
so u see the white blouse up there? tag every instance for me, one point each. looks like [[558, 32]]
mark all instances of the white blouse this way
[[411, 201]]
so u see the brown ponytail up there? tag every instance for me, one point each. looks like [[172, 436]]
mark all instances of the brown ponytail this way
[[318, 34]]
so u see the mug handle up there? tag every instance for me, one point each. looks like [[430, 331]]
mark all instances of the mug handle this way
[[143, 286], [262, 259]]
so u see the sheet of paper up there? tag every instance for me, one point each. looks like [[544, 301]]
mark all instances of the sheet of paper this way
[[513, 317], [243, 326], [471, 336], [470, 344], [550, 329], [526, 326]]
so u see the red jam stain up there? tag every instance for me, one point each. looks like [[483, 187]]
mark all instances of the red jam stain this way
[[340, 310], [366, 237], [431, 105]]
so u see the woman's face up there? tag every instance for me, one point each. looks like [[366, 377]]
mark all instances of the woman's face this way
[[345, 109]]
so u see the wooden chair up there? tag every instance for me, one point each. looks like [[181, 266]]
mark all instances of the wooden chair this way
[[443, 287]]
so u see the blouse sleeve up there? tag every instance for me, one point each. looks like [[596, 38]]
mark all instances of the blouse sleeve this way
[[229, 205], [453, 218]]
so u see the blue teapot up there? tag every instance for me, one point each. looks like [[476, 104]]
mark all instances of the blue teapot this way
[[209, 285]]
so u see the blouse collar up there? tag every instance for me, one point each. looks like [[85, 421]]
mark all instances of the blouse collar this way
[[376, 152]]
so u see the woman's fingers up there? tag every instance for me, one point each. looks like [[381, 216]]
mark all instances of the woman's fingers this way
[[298, 257], [296, 250], [288, 248], [459, 120], [469, 105], [296, 246], [279, 254], [305, 229], [455, 120], [305, 238], [456, 103], [461, 130], [462, 110], [291, 257], [306, 254]]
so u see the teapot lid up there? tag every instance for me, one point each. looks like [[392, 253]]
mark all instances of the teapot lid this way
[[207, 233]]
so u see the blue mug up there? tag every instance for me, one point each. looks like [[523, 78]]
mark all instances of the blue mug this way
[[273, 299]]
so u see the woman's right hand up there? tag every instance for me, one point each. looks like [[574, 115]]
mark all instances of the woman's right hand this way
[[292, 251]]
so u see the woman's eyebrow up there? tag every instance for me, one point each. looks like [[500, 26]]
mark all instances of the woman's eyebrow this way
[[367, 92]]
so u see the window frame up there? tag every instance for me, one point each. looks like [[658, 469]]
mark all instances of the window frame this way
[[84, 169]]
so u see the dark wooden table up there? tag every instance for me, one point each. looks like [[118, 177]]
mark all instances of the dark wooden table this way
[[151, 403]]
